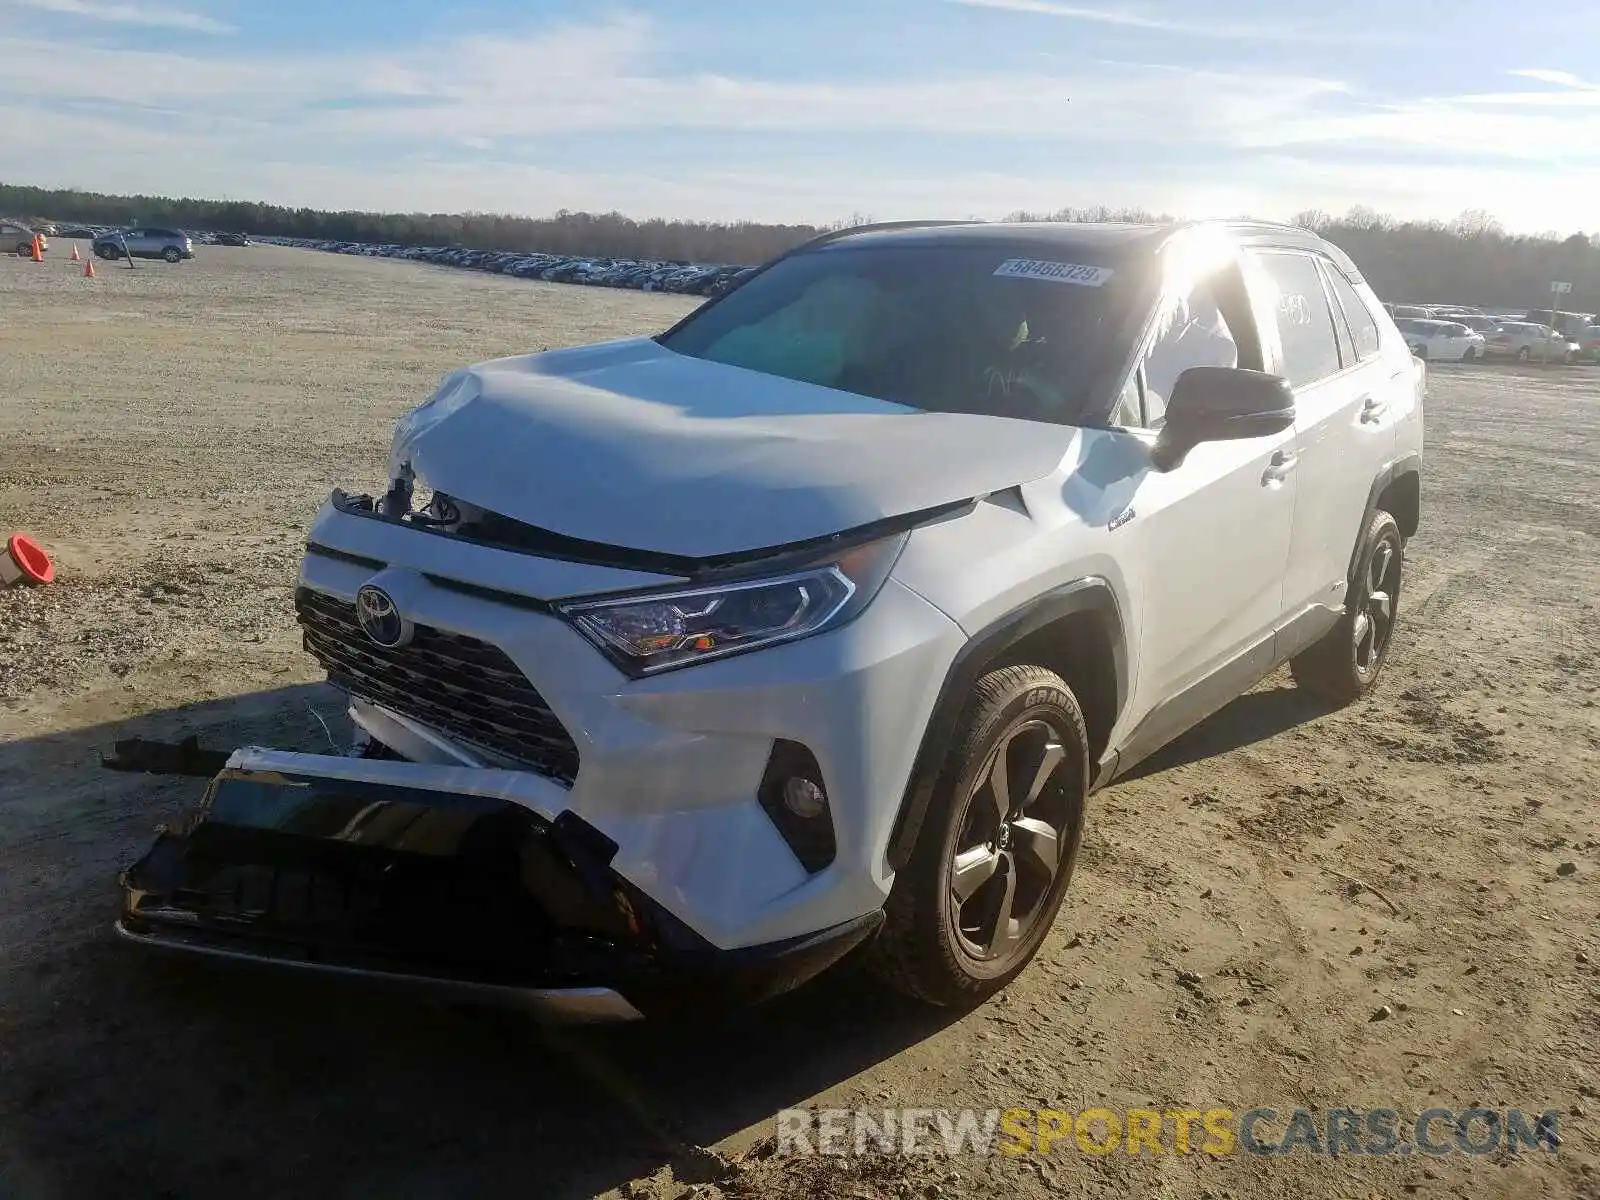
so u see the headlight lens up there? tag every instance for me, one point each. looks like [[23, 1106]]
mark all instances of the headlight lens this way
[[644, 634]]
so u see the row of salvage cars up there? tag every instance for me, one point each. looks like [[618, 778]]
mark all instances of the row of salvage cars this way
[[1455, 333], [681, 278]]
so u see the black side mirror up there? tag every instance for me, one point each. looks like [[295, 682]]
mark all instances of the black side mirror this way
[[1221, 404]]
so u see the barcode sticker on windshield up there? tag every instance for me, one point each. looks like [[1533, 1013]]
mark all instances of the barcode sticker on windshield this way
[[1057, 272]]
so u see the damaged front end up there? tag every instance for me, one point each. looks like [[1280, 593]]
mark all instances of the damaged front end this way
[[545, 804], [380, 870]]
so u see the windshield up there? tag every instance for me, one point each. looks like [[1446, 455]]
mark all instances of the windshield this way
[[962, 329]]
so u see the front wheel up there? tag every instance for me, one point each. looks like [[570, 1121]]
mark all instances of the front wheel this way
[[997, 845], [1344, 665], [24, 249]]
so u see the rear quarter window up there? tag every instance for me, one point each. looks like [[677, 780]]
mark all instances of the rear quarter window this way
[[1363, 326]]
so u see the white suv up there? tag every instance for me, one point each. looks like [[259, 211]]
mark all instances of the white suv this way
[[687, 664]]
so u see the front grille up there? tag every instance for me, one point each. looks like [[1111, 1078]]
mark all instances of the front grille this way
[[458, 685]]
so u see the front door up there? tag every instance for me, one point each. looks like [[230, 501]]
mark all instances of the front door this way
[[1210, 538]]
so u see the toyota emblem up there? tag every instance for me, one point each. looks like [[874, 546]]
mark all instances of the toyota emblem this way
[[380, 620]]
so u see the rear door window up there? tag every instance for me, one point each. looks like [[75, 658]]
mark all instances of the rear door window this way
[[1298, 308]]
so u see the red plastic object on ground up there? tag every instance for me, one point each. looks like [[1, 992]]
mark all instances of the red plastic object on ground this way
[[25, 562]]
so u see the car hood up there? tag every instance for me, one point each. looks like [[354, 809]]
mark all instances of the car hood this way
[[631, 445]]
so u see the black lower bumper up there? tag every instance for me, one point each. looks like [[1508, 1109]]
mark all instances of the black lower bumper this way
[[472, 895]]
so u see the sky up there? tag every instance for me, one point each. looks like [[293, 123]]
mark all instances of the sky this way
[[817, 111]]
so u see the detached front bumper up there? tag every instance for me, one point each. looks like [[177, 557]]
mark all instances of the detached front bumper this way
[[468, 894]]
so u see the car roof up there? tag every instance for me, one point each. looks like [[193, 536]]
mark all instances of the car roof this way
[[1087, 238]]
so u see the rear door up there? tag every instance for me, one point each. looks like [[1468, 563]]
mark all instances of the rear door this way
[[1347, 393]]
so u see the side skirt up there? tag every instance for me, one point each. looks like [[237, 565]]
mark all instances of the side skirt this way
[[1201, 699]]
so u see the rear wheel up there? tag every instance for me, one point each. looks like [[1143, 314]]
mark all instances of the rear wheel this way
[[1470, 355], [1344, 665], [997, 846], [1523, 355], [1420, 351], [172, 254]]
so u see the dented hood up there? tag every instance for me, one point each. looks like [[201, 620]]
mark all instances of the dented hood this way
[[629, 444]]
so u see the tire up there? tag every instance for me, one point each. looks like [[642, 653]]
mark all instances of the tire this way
[[1471, 354], [956, 952], [1344, 665], [24, 249], [1421, 352], [172, 254], [1523, 355]]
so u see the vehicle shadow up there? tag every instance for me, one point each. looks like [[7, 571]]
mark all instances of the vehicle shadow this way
[[1253, 717], [124, 1073]]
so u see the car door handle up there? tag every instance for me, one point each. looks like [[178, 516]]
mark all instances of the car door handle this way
[[1372, 410], [1278, 467]]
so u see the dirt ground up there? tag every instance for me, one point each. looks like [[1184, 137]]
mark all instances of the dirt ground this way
[[168, 431]]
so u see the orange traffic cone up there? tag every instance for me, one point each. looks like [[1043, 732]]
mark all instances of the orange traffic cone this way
[[75, 254], [88, 268], [38, 252]]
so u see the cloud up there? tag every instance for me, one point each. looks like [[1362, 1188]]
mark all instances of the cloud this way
[[1128, 18], [605, 78], [1560, 78], [599, 115], [1559, 127], [129, 14]]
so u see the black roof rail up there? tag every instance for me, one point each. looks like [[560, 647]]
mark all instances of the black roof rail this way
[[1242, 224], [834, 235]]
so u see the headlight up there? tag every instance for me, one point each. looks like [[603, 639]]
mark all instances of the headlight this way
[[644, 634]]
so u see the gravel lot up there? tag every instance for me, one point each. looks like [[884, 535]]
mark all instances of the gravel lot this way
[[168, 431]]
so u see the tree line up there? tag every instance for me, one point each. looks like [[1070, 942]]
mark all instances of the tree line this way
[[1468, 260]]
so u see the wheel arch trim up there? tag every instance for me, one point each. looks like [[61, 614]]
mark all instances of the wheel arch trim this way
[[1409, 463], [1089, 594]]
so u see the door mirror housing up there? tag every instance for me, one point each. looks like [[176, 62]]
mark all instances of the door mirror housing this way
[[1221, 404]]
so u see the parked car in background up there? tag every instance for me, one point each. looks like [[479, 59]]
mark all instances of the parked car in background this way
[[170, 244], [14, 235], [75, 231], [1528, 341], [1442, 341], [232, 239], [1570, 323], [1589, 344], [1410, 310], [1478, 323]]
